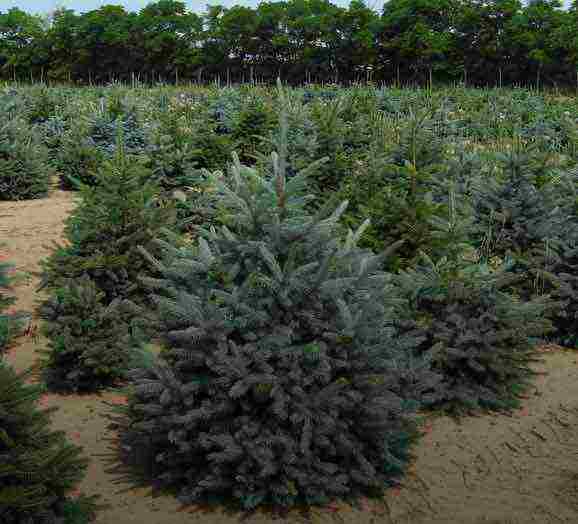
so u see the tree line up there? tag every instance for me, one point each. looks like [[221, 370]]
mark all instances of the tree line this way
[[477, 42]]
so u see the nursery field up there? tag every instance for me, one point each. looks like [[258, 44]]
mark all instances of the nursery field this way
[[256, 367], [514, 469]]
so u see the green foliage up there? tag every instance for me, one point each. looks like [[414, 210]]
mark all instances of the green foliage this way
[[409, 42], [77, 161], [99, 267], [105, 127], [418, 141], [562, 285], [415, 35], [6, 321], [114, 217], [11, 323], [478, 336], [519, 221], [464, 171], [88, 340], [91, 142], [51, 132], [213, 150], [330, 138], [281, 380], [300, 138], [224, 108], [395, 190], [254, 121], [42, 104], [198, 206], [24, 168], [566, 290], [173, 156], [39, 467]]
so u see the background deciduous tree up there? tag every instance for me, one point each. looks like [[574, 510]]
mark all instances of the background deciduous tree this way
[[482, 42]]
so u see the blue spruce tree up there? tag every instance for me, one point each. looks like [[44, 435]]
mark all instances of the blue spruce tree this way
[[282, 379]]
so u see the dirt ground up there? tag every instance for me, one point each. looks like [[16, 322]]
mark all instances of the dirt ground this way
[[501, 469]]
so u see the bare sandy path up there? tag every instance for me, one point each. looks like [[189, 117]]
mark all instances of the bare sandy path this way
[[517, 469]]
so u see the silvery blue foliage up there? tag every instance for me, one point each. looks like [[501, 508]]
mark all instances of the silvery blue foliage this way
[[283, 378], [104, 131]]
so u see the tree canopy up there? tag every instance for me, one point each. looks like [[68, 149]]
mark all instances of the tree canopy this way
[[480, 42]]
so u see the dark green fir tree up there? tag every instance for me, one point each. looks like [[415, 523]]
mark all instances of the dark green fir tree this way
[[10, 323], [480, 338], [120, 213], [89, 341], [521, 221], [38, 467], [24, 166]]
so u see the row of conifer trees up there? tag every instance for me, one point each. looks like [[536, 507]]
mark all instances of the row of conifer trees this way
[[293, 364]]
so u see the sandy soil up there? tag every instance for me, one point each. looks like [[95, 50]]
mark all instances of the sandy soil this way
[[501, 469]]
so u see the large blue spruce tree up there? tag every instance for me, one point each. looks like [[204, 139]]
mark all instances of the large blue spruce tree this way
[[283, 379]]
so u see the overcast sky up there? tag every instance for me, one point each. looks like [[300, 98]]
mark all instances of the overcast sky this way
[[45, 6]]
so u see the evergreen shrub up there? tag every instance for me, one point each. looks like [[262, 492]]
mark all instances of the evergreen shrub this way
[[41, 103], [301, 139], [282, 379], [213, 149], [331, 131], [114, 217], [561, 263], [89, 341], [11, 323], [38, 467], [77, 160], [224, 107], [51, 133], [479, 337], [105, 128], [24, 165], [255, 120], [396, 189], [93, 141], [519, 221], [565, 318], [172, 155]]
